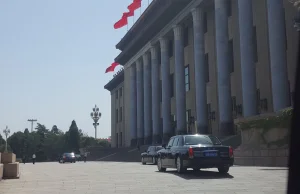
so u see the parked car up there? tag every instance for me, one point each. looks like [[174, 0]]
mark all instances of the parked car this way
[[150, 155], [68, 157], [78, 157], [196, 152]]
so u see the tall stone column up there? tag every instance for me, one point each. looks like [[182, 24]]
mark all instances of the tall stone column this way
[[277, 46], [133, 106], [248, 68], [147, 99], [180, 80], [140, 102], [155, 96], [200, 71], [223, 68], [166, 89]]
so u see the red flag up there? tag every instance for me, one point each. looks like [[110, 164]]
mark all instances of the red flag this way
[[112, 67], [135, 5], [129, 14], [122, 22]]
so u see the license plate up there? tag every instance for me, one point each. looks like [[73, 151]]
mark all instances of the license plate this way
[[211, 154]]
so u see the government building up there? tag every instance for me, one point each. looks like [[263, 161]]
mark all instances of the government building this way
[[195, 66]]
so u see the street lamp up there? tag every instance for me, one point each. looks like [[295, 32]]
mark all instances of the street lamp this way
[[95, 116], [6, 131]]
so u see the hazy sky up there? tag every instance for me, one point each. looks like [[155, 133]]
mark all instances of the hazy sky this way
[[53, 54]]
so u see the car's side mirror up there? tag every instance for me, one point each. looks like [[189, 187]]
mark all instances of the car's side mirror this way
[[164, 145]]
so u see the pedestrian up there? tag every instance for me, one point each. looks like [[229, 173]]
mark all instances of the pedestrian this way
[[33, 159], [85, 156], [24, 159]]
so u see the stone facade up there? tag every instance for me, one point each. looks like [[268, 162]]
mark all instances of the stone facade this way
[[264, 144], [196, 81]]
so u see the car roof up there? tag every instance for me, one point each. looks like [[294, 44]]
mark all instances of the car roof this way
[[192, 135]]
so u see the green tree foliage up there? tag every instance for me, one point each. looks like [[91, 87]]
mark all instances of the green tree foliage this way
[[48, 145], [74, 137]]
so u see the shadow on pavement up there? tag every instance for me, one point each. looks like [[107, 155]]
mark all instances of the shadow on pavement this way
[[190, 174], [274, 169]]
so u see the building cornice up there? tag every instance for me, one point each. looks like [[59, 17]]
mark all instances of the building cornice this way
[[117, 80], [179, 17]]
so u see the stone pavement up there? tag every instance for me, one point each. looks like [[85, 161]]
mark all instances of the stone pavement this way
[[134, 178]]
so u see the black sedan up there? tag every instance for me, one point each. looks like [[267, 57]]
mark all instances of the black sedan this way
[[150, 155], [196, 152], [68, 157]]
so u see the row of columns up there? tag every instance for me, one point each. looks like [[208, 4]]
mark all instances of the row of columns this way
[[145, 103]]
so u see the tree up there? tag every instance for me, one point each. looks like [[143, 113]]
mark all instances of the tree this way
[[74, 137], [41, 128], [56, 131], [49, 144]]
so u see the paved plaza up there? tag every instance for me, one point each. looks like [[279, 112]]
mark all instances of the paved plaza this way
[[124, 178]]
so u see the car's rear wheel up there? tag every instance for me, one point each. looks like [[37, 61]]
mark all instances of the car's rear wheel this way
[[223, 169], [143, 161], [159, 166], [179, 165]]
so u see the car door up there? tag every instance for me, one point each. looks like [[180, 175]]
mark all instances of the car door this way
[[149, 157], [173, 152], [147, 154], [168, 152]]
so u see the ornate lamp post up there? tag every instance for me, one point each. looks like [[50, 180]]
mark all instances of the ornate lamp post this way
[[95, 116], [6, 132]]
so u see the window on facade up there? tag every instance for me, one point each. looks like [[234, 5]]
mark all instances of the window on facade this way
[[255, 44], [117, 94], [229, 8], [258, 99], [233, 99], [286, 42], [173, 118], [186, 37], [117, 116], [207, 67], [170, 48], [172, 85], [187, 78], [121, 114], [159, 56], [289, 93], [121, 138], [121, 92], [204, 22], [208, 110], [160, 90], [231, 55], [208, 107], [188, 115]]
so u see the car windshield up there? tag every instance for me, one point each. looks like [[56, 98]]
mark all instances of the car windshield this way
[[201, 139], [69, 154], [158, 148]]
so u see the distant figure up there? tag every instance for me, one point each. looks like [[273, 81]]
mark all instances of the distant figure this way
[[85, 156], [24, 159], [33, 159], [138, 147]]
